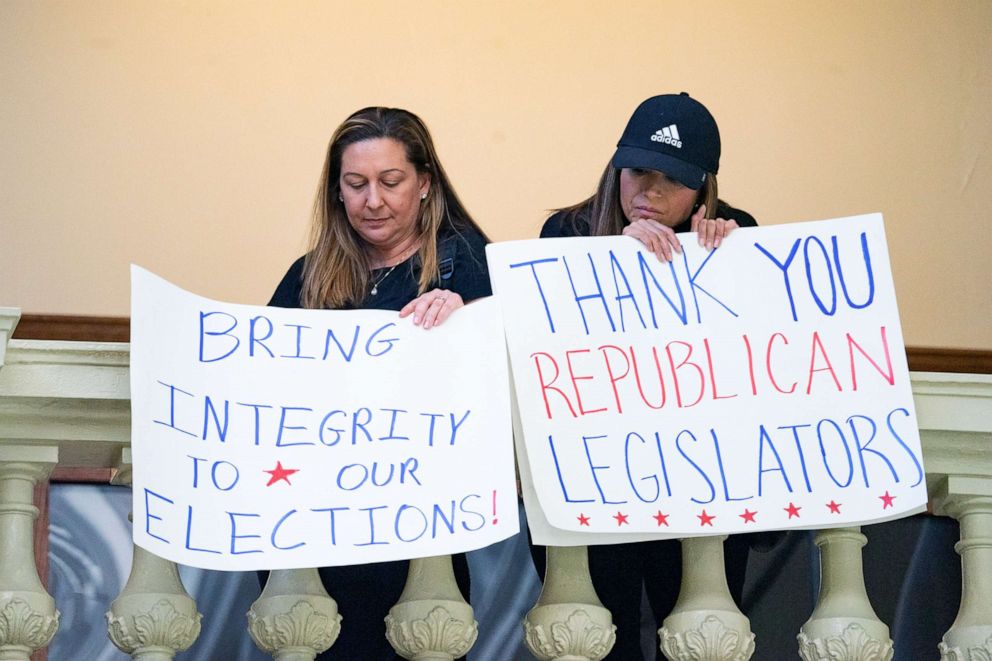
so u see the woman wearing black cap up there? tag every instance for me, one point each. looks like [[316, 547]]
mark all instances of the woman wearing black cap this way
[[660, 182]]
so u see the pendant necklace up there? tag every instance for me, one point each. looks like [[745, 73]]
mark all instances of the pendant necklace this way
[[375, 285]]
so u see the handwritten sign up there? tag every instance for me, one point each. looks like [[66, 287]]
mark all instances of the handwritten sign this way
[[266, 438], [759, 386]]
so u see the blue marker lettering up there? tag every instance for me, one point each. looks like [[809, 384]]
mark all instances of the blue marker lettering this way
[[870, 296], [372, 541], [826, 455], [594, 469], [537, 281], [275, 531], [255, 407], [149, 516], [829, 311], [253, 338], [582, 298], [226, 332], [403, 509], [619, 275], [189, 533], [172, 409], [651, 479], [680, 309], [467, 510], [702, 473], [284, 427], [209, 411], [784, 266], [693, 286], [332, 337], [561, 480], [763, 440], [235, 536], [299, 341]]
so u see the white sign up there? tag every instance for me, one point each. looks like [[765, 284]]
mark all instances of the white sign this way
[[759, 386], [269, 438]]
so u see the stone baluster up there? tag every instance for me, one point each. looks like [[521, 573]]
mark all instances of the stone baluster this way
[[294, 619], [154, 617], [431, 621], [705, 624], [970, 637], [843, 626], [28, 618], [569, 622]]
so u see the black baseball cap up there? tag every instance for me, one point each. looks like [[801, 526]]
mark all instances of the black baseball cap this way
[[674, 134]]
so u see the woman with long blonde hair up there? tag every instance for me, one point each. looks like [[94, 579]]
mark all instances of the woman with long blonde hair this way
[[388, 233]]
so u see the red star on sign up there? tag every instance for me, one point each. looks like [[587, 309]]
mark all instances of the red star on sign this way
[[705, 519], [834, 507], [662, 519], [583, 520], [792, 510], [887, 500], [280, 473], [621, 519], [748, 516]]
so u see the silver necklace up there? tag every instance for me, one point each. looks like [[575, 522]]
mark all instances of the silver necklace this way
[[375, 285]]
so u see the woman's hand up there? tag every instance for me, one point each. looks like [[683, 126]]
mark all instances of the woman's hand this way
[[432, 307], [711, 230], [659, 239]]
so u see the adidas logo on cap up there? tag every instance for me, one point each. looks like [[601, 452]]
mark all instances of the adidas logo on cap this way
[[668, 135]]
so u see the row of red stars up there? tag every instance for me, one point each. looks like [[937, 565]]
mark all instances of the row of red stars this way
[[749, 517]]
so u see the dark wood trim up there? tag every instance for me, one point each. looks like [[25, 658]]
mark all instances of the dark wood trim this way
[[118, 329], [932, 359], [73, 327], [86, 475]]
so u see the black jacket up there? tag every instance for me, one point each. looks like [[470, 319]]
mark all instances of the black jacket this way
[[462, 267], [559, 225]]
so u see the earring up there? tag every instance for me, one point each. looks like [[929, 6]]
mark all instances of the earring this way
[[423, 196], [340, 197]]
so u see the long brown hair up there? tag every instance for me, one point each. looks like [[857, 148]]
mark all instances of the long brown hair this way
[[336, 270], [604, 214]]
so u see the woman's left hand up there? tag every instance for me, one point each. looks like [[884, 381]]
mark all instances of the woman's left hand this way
[[711, 230], [432, 308]]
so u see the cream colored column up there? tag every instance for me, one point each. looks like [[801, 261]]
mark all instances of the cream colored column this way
[[431, 621], [28, 618], [154, 617], [294, 619], [705, 624], [8, 321], [955, 420], [843, 626], [970, 637], [569, 622]]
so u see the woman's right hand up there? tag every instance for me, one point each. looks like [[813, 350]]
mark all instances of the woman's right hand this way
[[659, 238], [432, 307]]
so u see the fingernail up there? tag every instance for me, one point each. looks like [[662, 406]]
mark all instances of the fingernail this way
[[416, 319]]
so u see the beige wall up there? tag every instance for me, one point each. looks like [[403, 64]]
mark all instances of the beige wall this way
[[188, 136]]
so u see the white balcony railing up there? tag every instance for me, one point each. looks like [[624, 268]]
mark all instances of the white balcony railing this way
[[67, 404]]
